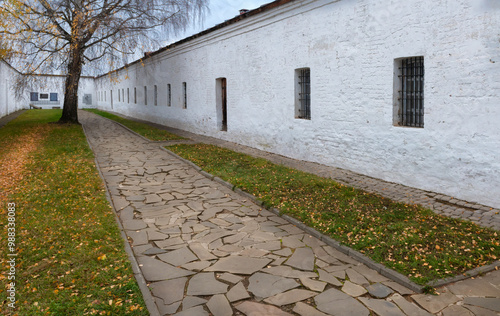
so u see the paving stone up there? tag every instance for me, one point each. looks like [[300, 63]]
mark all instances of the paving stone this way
[[191, 301], [339, 255], [307, 310], [352, 289], [214, 236], [193, 311], [292, 229], [288, 272], [205, 284], [270, 245], [201, 252], [164, 244], [433, 303], [382, 307], [141, 250], [474, 287], [480, 311], [337, 303], [256, 309], [152, 198], [337, 274], [261, 236], [456, 310], [237, 292], [231, 278], [134, 224], [167, 309], [290, 297], [492, 303], [234, 238], [120, 202], [178, 257], [215, 244], [232, 249], [156, 235], [356, 277], [127, 214], [219, 306], [255, 253], [302, 258], [378, 290], [370, 274], [398, 288], [136, 198], [292, 242], [239, 265], [285, 252], [156, 270], [407, 307], [264, 285], [196, 265], [313, 284], [169, 291], [328, 278], [138, 238]]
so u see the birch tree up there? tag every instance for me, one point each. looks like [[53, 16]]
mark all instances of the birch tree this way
[[69, 36]]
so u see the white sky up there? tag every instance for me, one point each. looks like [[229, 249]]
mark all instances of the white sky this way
[[221, 10]]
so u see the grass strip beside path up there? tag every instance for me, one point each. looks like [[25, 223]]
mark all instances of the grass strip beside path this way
[[407, 238], [148, 131], [70, 254]]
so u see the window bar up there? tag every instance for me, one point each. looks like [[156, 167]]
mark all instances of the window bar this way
[[412, 80], [305, 91]]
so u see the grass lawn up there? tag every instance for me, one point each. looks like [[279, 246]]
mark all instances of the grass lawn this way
[[70, 254], [143, 129], [407, 238]]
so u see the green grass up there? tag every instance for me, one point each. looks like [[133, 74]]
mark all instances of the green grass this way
[[143, 129], [71, 258], [407, 238]]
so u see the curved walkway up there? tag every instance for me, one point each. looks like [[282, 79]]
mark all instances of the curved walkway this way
[[204, 249]]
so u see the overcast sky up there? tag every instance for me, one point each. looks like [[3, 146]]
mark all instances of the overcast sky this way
[[221, 10]]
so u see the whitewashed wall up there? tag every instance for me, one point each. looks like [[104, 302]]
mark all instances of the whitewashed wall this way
[[350, 47], [8, 102], [55, 84]]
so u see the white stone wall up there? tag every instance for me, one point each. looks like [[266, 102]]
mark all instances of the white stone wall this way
[[55, 84], [350, 48], [8, 102], [41, 84]]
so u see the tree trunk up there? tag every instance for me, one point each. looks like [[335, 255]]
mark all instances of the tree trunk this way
[[70, 108]]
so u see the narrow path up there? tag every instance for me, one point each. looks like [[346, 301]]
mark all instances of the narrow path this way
[[206, 250]]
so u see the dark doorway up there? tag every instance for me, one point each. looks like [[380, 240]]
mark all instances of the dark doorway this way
[[221, 96]]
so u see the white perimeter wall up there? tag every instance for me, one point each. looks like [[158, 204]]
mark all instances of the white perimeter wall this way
[[41, 84], [8, 102], [55, 84], [350, 47]]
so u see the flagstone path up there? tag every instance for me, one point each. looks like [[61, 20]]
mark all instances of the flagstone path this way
[[203, 249]]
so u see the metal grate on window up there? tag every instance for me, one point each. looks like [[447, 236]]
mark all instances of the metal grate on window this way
[[169, 92], [305, 94], [412, 91], [184, 91]]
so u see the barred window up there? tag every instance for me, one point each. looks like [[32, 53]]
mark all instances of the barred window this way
[[169, 95], [409, 105], [145, 95], [184, 93], [303, 93], [156, 94]]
